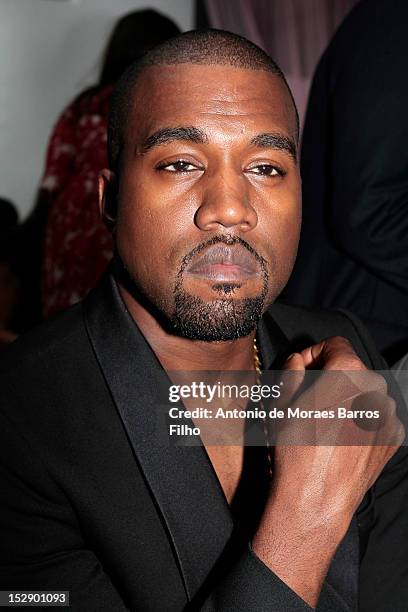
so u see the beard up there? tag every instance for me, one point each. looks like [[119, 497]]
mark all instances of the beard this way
[[223, 318], [219, 320], [189, 316]]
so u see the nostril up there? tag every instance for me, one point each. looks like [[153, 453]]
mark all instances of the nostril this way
[[226, 212]]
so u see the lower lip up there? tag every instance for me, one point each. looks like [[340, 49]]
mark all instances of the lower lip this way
[[223, 273]]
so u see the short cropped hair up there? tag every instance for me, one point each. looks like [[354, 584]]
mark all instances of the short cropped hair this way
[[208, 47]]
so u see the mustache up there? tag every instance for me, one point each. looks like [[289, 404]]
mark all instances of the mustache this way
[[217, 251]]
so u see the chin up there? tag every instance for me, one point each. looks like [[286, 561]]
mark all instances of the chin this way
[[215, 321]]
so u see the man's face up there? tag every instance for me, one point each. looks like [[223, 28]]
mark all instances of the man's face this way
[[209, 196]]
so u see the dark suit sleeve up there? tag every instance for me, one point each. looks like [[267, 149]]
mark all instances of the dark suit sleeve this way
[[41, 545], [368, 203], [383, 517], [384, 537], [251, 585]]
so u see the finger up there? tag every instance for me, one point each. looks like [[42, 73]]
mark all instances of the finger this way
[[294, 362], [335, 353]]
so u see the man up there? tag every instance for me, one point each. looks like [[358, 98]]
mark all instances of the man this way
[[354, 169], [203, 197]]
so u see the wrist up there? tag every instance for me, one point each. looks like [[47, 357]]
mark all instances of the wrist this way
[[298, 546], [302, 524]]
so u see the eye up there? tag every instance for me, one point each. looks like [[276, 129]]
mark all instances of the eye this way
[[266, 170], [178, 166]]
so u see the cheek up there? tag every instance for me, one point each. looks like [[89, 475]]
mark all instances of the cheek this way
[[281, 237], [148, 227], [281, 218], [141, 221], [160, 213], [288, 242], [291, 231]]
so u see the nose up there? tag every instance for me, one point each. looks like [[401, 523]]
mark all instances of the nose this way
[[226, 203]]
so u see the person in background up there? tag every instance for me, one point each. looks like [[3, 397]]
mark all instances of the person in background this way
[[77, 246], [353, 250], [9, 281]]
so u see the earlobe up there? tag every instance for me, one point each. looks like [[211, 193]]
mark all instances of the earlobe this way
[[108, 198]]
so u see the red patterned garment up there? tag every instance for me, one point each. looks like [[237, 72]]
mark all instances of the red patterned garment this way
[[77, 244]]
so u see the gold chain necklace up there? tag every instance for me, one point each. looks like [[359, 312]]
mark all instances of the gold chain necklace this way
[[258, 372]]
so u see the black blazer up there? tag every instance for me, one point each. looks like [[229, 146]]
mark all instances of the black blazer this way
[[353, 249], [91, 504]]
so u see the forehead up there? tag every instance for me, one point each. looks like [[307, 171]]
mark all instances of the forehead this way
[[224, 100]]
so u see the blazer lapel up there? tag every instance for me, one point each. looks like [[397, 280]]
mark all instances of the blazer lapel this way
[[181, 479], [273, 343]]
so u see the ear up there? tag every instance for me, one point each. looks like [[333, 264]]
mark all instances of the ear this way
[[108, 198]]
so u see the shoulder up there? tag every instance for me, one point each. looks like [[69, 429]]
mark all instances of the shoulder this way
[[51, 383], [93, 101], [304, 326], [53, 344], [299, 319]]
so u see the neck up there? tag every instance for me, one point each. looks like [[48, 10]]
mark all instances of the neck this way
[[177, 353]]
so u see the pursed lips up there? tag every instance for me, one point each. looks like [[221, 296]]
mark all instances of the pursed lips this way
[[223, 263]]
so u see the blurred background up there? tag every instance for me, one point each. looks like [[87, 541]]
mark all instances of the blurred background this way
[[51, 50]]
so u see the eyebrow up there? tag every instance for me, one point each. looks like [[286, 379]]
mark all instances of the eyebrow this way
[[270, 140], [165, 135], [266, 140]]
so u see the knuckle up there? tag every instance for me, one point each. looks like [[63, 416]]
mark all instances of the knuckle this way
[[344, 341], [339, 343], [344, 352], [378, 382]]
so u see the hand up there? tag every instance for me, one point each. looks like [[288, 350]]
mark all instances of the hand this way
[[347, 454], [316, 489]]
